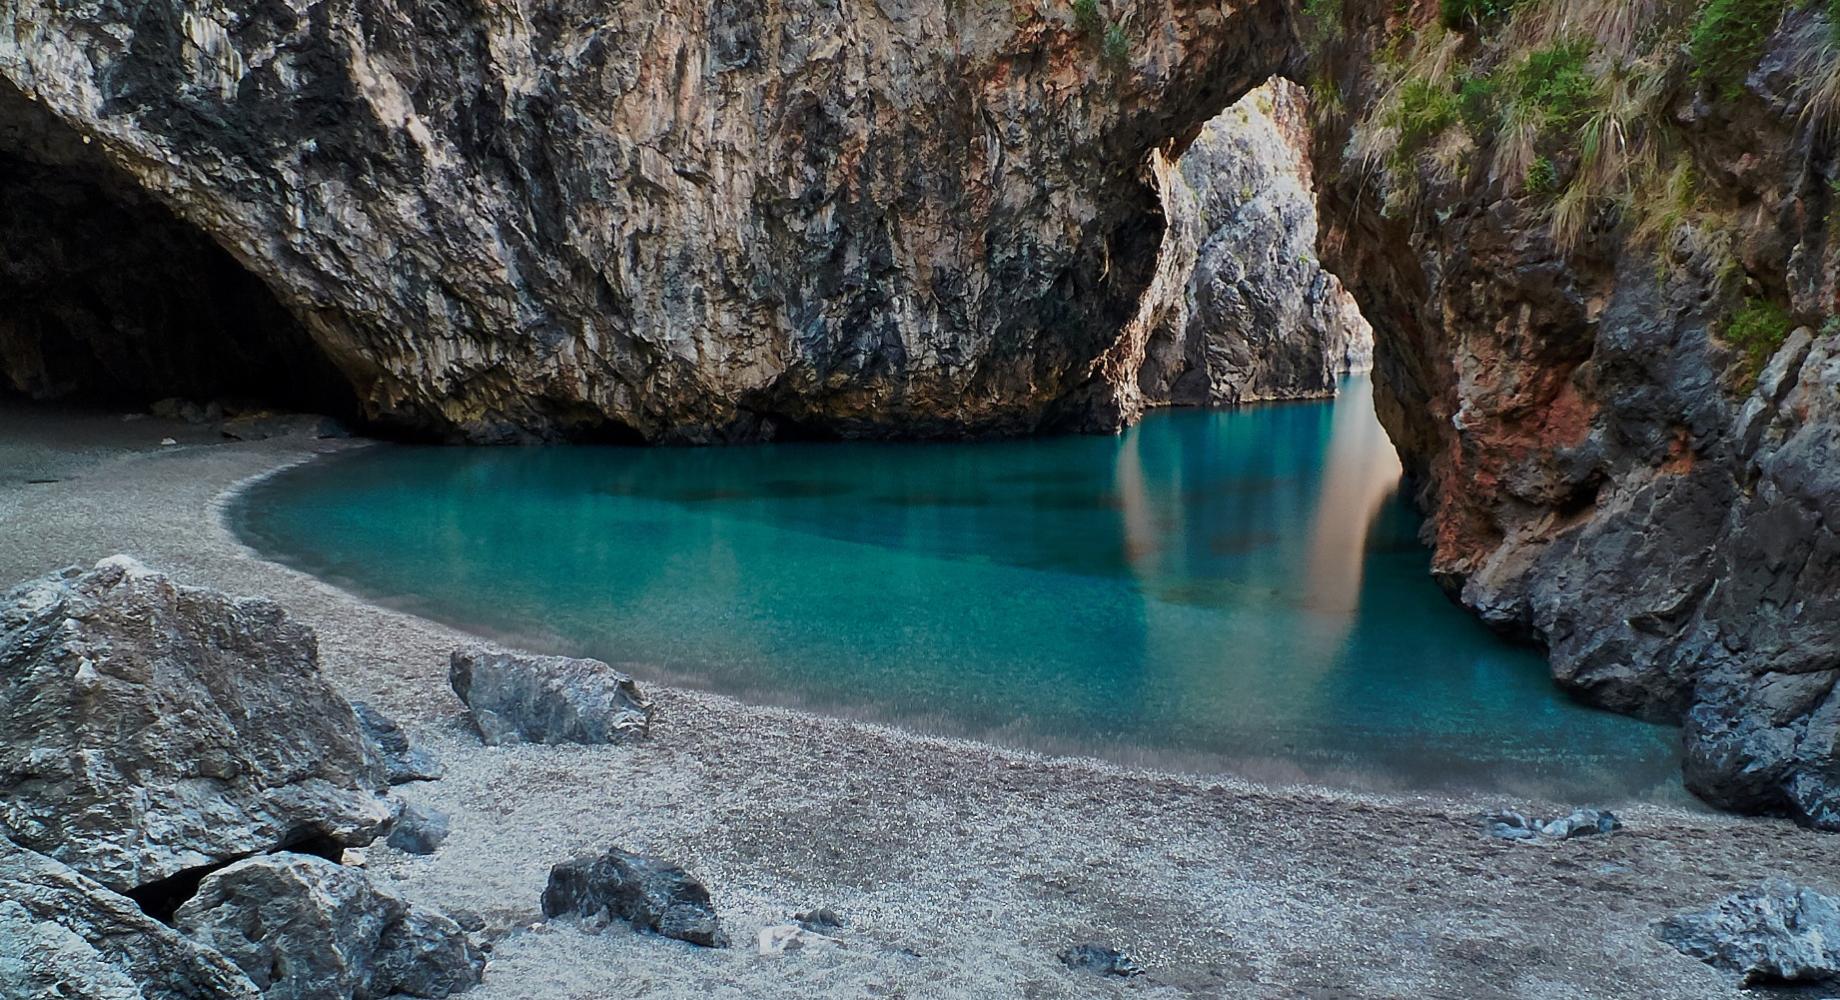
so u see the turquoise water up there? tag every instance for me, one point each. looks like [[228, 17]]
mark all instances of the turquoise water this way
[[1222, 591]]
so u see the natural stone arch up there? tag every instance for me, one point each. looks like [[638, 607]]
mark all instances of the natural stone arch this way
[[699, 221]]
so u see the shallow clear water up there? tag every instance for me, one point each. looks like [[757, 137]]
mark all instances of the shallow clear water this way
[[1239, 591]]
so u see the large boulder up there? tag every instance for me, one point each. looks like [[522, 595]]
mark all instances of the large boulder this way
[[1777, 933], [650, 894], [67, 937], [149, 729], [304, 928], [523, 698]]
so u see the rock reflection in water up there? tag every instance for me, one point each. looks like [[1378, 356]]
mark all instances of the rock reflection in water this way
[[1230, 590]]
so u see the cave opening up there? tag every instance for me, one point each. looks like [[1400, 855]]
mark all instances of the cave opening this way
[[110, 300], [161, 899]]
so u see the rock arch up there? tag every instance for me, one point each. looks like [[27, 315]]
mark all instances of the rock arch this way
[[693, 221]]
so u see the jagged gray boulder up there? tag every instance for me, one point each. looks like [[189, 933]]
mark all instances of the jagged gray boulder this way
[[66, 937], [147, 729], [1777, 933], [525, 698], [419, 829], [401, 761], [650, 894], [304, 928]]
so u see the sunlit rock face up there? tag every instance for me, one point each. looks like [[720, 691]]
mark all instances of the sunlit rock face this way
[[1258, 317], [1609, 466], [674, 221]]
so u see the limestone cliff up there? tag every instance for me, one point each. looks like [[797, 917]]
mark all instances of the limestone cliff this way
[[676, 220], [1258, 316], [1594, 243]]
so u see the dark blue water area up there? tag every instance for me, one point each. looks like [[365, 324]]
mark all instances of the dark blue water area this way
[[1238, 592]]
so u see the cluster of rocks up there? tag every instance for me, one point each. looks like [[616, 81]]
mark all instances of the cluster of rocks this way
[[181, 784], [1511, 825], [179, 781], [248, 423]]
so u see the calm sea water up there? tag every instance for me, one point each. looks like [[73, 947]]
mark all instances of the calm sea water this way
[[1237, 591]]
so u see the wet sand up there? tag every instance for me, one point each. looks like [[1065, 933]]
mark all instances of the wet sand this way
[[960, 868]]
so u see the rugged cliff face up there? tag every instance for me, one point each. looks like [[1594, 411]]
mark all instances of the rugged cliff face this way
[[1258, 317], [677, 221], [1594, 243]]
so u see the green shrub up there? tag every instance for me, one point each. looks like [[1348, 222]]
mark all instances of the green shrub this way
[[1117, 48], [1460, 14], [1086, 18], [1556, 84], [1542, 176], [1424, 110], [1476, 101], [1758, 328], [1728, 39]]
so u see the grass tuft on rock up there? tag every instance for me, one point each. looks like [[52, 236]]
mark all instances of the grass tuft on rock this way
[[1758, 329]]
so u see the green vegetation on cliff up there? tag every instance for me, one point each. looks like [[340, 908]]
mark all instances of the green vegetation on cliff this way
[[1592, 113], [1757, 329], [1728, 38]]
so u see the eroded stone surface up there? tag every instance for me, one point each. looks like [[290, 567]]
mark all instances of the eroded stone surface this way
[[1258, 317], [674, 220], [526, 698], [67, 937], [147, 729], [1777, 933], [304, 928], [1601, 474], [650, 894]]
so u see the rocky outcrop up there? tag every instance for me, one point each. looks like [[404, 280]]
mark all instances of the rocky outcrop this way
[[304, 928], [1258, 317], [673, 220], [66, 937], [1778, 933], [526, 698], [650, 894], [149, 730], [1583, 350]]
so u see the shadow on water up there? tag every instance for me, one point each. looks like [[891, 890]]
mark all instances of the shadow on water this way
[[1212, 590]]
